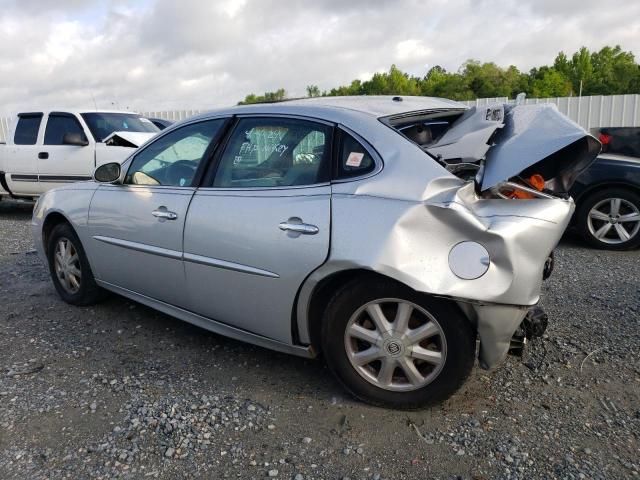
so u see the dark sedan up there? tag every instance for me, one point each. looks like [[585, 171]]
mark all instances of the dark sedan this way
[[607, 197]]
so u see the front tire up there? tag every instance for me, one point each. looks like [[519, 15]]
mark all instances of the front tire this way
[[391, 346], [69, 268], [610, 219]]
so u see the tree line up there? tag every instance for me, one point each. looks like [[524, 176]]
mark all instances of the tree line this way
[[609, 71]]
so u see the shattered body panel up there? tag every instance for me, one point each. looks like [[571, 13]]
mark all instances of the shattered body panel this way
[[411, 241], [534, 133], [388, 226]]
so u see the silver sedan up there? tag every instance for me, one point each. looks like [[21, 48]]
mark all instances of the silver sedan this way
[[387, 233]]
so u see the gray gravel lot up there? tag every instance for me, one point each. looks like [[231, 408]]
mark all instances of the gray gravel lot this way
[[121, 391]]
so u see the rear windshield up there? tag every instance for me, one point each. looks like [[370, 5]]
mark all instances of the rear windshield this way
[[102, 125], [425, 130]]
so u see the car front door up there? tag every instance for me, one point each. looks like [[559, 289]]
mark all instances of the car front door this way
[[261, 224], [60, 163], [136, 227]]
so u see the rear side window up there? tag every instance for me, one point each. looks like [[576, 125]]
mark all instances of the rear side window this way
[[275, 152], [27, 129], [58, 126], [353, 158]]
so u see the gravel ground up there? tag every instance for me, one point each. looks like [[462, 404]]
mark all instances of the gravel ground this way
[[121, 391]]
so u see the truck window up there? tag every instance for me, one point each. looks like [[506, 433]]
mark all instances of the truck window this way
[[58, 125], [103, 124], [27, 129]]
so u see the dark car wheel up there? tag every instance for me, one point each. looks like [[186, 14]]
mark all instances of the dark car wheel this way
[[393, 347], [69, 268], [610, 219]]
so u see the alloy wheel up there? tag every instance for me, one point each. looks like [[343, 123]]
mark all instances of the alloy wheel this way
[[395, 344], [614, 221], [67, 265]]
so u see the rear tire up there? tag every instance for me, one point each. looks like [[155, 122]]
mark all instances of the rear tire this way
[[603, 219], [69, 268], [417, 350]]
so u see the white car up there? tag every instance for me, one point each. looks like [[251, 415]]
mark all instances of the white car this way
[[49, 148]]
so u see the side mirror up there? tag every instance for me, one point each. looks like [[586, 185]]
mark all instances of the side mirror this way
[[76, 139], [107, 173]]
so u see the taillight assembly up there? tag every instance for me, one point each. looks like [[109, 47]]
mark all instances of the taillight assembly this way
[[535, 182], [605, 138]]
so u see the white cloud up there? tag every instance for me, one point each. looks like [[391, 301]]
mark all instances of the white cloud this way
[[163, 54], [412, 50]]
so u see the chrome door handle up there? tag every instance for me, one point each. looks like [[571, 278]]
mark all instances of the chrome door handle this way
[[165, 214], [303, 228]]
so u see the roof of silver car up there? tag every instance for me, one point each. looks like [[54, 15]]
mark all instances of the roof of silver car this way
[[379, 105], [376, 106]]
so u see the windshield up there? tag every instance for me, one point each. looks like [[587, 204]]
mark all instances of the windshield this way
[[104, 124]]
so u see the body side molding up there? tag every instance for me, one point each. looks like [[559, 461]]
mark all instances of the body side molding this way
[[209, 324], [187, 257]]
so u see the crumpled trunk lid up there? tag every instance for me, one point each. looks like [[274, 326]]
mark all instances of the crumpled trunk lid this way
[[508, 141]]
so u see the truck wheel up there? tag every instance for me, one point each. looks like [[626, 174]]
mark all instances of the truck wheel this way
[[69, 268], [393, 347], [610, 219]]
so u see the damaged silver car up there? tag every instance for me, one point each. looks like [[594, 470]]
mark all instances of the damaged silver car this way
[[387, 233]]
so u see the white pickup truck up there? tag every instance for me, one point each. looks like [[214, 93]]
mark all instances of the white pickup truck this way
[[46, 149]]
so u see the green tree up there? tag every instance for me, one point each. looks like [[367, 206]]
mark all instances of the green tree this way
[[581, 70], [490, 80], [614, 72], [439, 83], [276, 96], [549, 82], [313, 91], [608, 71], [562, 64]]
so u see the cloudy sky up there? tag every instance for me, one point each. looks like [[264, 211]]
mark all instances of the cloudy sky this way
[[178, 54]]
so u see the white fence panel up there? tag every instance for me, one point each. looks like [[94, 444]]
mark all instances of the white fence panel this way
[[4, 128], [590, 112]]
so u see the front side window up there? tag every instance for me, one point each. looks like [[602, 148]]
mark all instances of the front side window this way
[[103, 124], [275, 152], [58, 126], [27, 129], [173, 159]]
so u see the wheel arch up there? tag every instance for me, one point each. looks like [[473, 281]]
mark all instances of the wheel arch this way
[[52, 220], [603, 185], [312, 305]]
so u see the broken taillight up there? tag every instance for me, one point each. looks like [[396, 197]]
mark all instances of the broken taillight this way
[[535, 181]]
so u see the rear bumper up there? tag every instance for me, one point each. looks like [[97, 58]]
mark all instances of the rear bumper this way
[[36, 231], [496, 325]]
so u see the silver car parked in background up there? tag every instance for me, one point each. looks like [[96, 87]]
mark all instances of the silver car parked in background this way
[[387, 233]]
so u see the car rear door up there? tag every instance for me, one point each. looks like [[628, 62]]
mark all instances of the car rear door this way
[[22, 156], [136, 227], [261, 224]]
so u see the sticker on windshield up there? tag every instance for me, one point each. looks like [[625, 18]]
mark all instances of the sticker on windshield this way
[[354, 159]]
